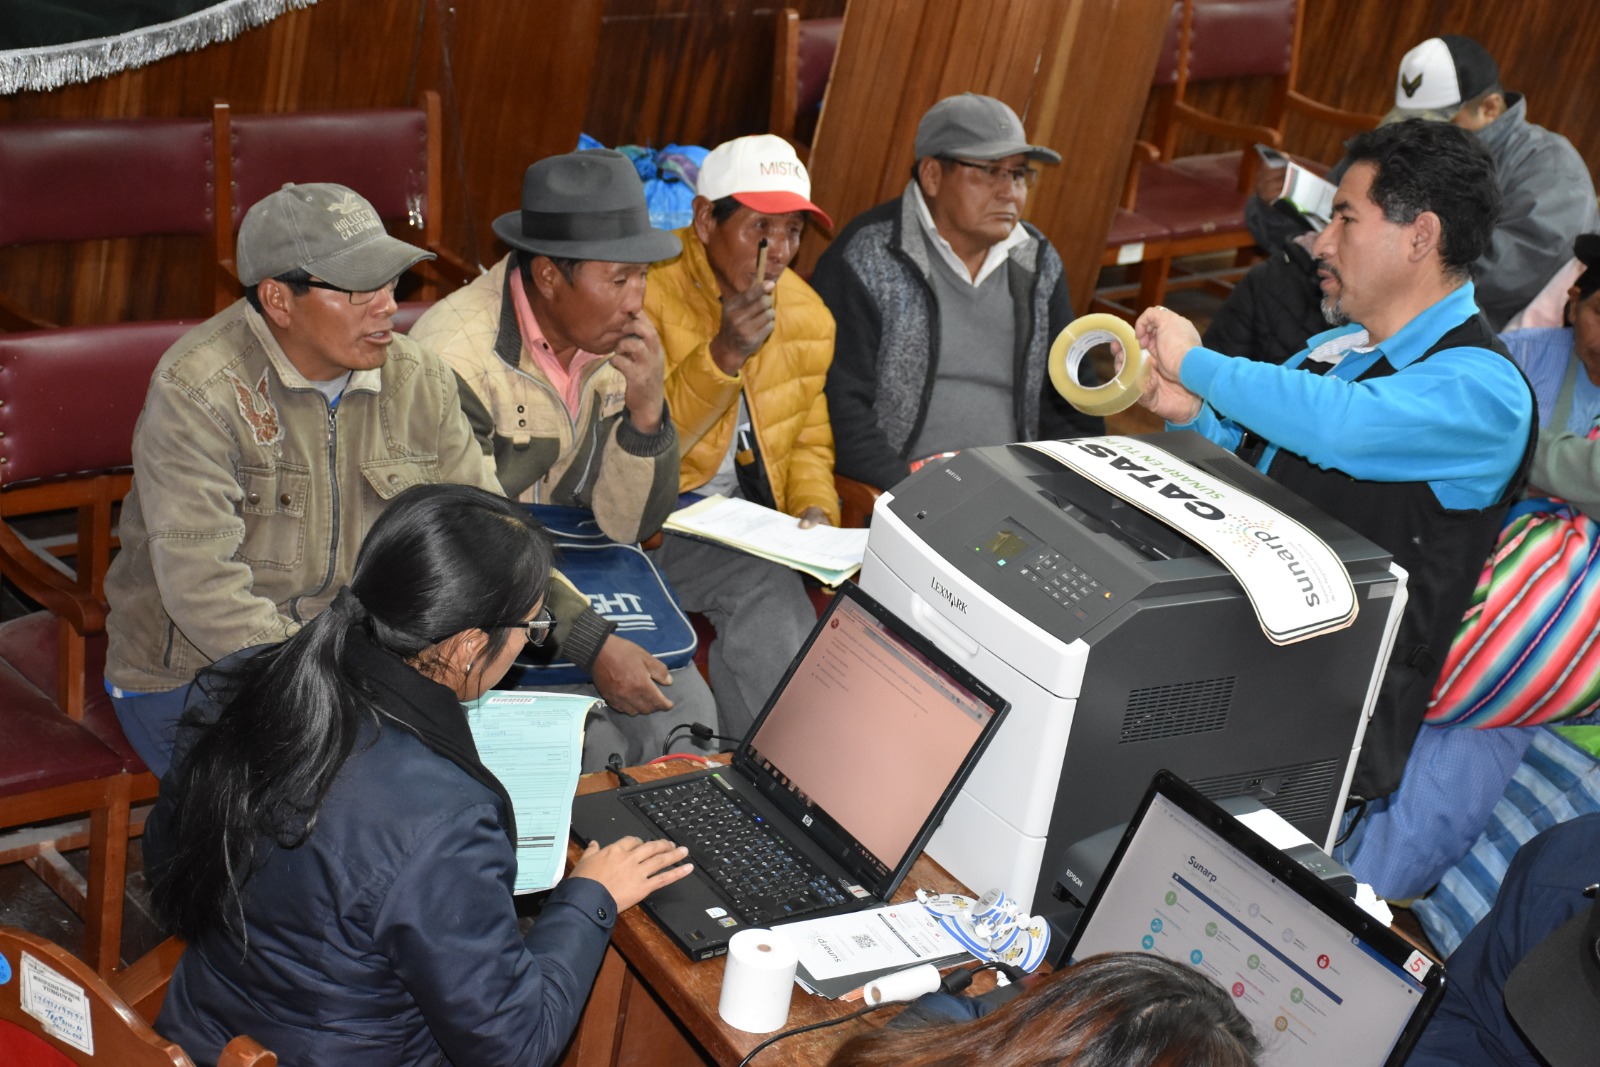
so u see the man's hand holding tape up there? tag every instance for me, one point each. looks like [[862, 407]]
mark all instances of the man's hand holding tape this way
[[1167, 338]]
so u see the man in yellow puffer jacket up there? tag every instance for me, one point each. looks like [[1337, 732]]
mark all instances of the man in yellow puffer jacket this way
[[746, 359]]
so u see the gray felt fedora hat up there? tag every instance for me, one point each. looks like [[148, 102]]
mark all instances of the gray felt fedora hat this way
[[586, 205]]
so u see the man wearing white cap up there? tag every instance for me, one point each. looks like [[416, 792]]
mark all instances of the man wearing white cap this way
[[1548, 200], [946, 303], [273, 435], [747, 344]]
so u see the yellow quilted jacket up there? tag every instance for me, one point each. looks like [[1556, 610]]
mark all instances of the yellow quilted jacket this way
[[782, 383]]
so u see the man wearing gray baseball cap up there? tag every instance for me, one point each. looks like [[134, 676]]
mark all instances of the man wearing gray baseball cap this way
[[946, 304], [272, 437]]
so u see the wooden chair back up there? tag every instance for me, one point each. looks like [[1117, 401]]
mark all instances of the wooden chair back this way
[[55, 1011], [72, 397], [391, 156], [96, 180]]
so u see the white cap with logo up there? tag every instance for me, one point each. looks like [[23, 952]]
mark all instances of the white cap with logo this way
[[762, 173]]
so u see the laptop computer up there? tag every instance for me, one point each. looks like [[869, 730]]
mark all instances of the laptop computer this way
[[1321, 981], [832, 794]]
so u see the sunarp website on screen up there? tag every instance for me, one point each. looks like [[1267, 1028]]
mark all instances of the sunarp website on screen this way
[[870, 731], [1314, 993]]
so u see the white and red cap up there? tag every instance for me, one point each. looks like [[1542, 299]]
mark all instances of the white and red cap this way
[[762, 173]]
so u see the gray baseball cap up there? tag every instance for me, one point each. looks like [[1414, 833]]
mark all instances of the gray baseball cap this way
[[976, 127], [326, 229]]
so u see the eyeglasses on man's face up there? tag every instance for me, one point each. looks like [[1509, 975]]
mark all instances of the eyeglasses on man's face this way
[[537, 628], [357, 297], [997, 174]]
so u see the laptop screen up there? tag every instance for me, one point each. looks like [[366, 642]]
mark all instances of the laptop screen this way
[[870, 731], [1316, 990]]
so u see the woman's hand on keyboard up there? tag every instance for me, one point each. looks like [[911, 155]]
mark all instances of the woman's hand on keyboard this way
[[631, 869]]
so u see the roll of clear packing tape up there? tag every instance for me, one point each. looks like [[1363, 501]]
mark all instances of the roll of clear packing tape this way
[[1073, 344], [758, 981]]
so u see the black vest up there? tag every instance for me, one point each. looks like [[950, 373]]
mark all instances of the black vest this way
[[1442, 551]]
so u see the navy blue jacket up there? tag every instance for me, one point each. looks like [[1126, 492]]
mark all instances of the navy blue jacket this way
[[1543, 888], [388, 937]]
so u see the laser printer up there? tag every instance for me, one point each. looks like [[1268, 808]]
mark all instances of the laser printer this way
[[1124, 648]]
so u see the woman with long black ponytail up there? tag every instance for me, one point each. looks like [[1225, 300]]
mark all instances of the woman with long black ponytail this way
[[337, 856]]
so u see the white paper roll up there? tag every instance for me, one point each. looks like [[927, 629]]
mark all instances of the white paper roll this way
[[758, 981]]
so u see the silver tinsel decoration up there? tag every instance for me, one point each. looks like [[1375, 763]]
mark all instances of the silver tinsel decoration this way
[[43, 69]]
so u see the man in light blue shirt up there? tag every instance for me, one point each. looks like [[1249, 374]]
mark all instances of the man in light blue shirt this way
[[1407, 421]]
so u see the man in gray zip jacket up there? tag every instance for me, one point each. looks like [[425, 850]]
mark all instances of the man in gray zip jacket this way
[[946, 304]]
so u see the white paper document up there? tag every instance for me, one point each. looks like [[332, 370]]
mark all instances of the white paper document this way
[[892, 937], [826, 552], [533, 743]]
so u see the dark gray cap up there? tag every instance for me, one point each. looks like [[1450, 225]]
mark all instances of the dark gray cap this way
[[326, 229], [976, 127]]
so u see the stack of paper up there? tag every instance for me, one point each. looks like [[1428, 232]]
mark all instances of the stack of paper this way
[[829, 554], [841, 953]]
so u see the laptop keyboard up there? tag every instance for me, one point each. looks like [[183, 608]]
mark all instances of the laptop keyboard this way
[[765, 878]]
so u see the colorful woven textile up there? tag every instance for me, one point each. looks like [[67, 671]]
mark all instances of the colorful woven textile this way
[[1528, 650]]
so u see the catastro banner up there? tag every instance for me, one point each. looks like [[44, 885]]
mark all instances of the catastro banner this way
[[45, 44], [1296, 583]]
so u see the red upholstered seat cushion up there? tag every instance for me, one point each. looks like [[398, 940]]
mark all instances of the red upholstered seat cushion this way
[[21, 1047], [1193, 196], [1130, 227], [43, 748], [30, 646]]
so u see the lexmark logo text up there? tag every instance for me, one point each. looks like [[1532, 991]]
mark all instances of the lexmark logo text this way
[[949, 597]]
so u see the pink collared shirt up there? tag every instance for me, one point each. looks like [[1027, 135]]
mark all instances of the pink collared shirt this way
[[568, 381]]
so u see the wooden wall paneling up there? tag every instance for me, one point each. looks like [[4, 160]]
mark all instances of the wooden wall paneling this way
[[688, 71], [512, 77], [1093, 80], [1076, 71]]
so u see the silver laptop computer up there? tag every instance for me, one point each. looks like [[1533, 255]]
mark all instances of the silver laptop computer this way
[[1323, 983]]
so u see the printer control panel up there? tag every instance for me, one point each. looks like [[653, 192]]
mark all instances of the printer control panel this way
[[1012, 549]]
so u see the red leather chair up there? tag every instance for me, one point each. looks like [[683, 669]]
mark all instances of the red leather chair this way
[[390, 156], [1200, 199], [89, 180], [71, 397], [802, 61]]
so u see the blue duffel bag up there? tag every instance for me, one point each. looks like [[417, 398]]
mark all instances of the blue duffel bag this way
[[622, 585]]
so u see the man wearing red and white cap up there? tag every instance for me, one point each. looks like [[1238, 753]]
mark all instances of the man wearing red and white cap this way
[[747, 345]]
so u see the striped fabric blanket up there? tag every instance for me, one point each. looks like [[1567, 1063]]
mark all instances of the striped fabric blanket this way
[[1528, 650], [1555, 782]]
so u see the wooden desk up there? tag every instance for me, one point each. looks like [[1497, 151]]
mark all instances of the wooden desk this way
[[653, 1007]]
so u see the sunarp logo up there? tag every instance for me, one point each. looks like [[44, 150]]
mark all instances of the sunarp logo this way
[[949, 596]]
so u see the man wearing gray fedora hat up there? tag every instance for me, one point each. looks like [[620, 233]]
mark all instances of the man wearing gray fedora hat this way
[[562, 380]]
